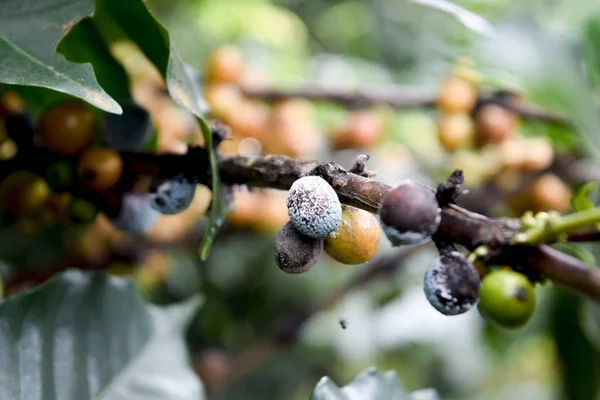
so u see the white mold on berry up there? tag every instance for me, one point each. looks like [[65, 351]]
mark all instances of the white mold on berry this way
[[314, 208], [172, 195], [452, 284]]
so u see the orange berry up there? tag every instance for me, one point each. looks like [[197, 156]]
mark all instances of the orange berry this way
[[456, 131], [549, 193], [457, 96], [225, 64], [224, 100], [68, 127], [100, 168], [362, 130], [357, 238]]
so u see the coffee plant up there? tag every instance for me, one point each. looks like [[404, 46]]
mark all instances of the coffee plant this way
[[190, 191]]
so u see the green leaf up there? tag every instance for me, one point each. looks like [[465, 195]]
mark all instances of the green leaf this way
[[469, 19], [91, 336], [581, 198], [85, 44], [29, 34], [133, 19], [370, 384]]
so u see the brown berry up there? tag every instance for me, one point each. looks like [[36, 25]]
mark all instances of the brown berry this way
[[100, 168], [457, 96], [494, 124], [357, 238], [456, 131], [67, 127], [294, 252], [409, 214]]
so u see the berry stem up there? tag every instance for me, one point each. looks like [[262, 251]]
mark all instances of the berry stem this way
[[555, 227]]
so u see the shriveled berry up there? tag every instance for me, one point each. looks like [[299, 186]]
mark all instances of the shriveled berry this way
[[507, 298], [68, 127], [313, 206], [172, 195], [452, 284], [294, 252], [409, 214], [100, 168], [129, 131], [357, 238]]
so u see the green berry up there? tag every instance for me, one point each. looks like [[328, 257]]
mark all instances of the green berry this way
[[507, 298], [59, 176], [82, 211]]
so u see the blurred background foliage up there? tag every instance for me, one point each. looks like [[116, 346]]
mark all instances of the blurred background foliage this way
[[547, 49]]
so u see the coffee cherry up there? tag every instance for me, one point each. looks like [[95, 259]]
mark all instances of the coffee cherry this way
[[362, 130], [313, 206], [22, 192], [59, 176], [67, 127], [452, 284], [172, 195], [507, 298], [409, 214], [82, 211], [100, 168], [294, 252], [456, 131], [550, 193], [225, 64], [494, 124], [457, 95], [224, 100], [129, 131], [357, 238]]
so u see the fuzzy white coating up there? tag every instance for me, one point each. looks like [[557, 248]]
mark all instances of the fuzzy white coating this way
[[438, 286], [398, 238], [173, 195], [314, 207]]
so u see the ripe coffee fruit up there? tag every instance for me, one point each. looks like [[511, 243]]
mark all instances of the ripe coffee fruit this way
[[456, 131], [357, 238], [452, 284], [507, 298], [313, 206], [22, 192], [294, 252], [67, 128], [100, 168], [225, 64], [409, 214], [362, 130], [457, 95], [494, 124]]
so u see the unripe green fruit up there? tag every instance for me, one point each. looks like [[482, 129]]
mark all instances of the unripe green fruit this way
[[59, 176], [294, 252], [82, 211], [507, 298]]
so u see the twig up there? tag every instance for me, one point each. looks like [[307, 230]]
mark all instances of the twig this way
[[400, 97]]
